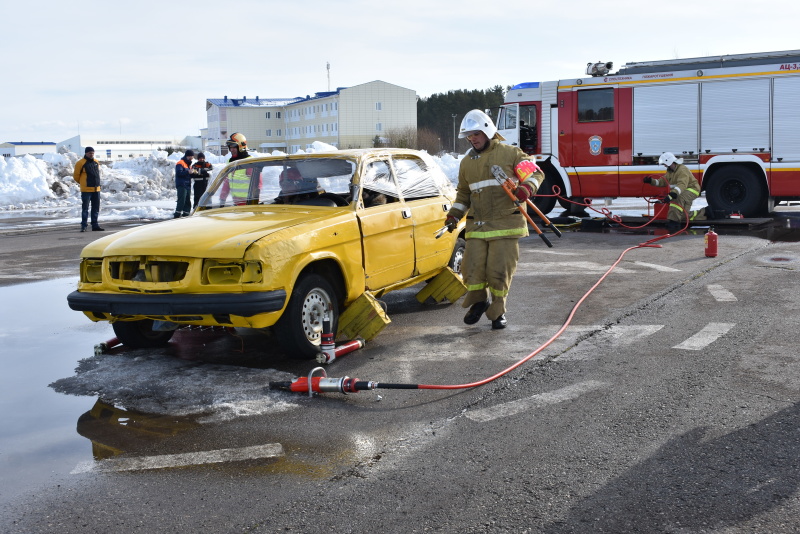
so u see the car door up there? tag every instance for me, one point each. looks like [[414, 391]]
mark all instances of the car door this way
[[428, 211], [386, 227]]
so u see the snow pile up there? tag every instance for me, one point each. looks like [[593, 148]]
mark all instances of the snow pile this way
[[30, 183]]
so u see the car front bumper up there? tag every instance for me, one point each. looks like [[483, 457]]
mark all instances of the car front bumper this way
[[241, 304]]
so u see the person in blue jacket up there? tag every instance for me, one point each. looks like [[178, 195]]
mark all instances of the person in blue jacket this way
[[183, 184]]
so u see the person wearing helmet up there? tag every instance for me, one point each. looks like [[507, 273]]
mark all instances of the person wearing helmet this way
[[238, 183], [494, 224], [683, 189]]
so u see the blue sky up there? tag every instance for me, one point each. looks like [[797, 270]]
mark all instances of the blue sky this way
[[147, 67]]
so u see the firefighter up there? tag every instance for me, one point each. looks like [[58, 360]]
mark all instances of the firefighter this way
[[494, 224], [683, 189], [238, 183]]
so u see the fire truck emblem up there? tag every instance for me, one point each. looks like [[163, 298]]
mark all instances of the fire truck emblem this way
[[595, 145]]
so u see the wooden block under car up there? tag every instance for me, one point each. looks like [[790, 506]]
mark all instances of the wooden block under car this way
[[363, 318], [445, 285]]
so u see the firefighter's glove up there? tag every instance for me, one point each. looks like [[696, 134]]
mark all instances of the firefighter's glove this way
[[523, 192], [647, 179], [451, 223]]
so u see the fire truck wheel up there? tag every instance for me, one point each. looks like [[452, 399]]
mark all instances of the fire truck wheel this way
[[736, 189], [140, 334], [300, 327], [545, 204]]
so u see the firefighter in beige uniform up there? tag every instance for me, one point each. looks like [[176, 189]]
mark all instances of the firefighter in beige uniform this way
[[494, 223], [683, 189]]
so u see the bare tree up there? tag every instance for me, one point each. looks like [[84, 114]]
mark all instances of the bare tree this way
[[402, 137], [428, 140]]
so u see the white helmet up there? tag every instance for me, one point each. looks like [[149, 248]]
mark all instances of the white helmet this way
[[668, 158], [477, 120]]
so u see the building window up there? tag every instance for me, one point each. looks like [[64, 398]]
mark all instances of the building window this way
[[278, 115], [268, 114], [378, 127], [278, 133], [269, 133], [378, 106]]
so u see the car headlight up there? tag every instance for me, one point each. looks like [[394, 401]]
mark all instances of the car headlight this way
[[225, 272], [92, 270]]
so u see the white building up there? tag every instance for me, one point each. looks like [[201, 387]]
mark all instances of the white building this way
[[21, 148], [349, 117], [117, 147]]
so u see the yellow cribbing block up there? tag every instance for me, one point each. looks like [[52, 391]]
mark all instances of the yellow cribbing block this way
[[363, 318], [445, 285]]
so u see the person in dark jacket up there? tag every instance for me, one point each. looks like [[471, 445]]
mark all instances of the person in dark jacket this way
[[183, 184], [87, 174], [200, 179]]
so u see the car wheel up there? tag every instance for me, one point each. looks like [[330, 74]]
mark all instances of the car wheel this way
[[300, 327], [457, 258], [140, 334], [736, 189]]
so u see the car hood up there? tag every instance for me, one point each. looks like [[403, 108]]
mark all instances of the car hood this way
[[220, 233]]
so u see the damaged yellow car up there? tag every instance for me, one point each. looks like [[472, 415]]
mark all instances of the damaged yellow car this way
[[277, 241]]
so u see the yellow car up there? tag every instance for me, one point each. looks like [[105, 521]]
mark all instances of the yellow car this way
[[277, 241]]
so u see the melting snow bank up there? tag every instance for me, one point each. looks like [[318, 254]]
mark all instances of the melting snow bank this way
[[27, 183], [166, 385]]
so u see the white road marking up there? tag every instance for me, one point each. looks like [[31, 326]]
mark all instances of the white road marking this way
[[657, 267], [721, 294], [627, 334], [528, 337], [256, 452], [555, 252], [567, 267], [710, 333], [507, 409]]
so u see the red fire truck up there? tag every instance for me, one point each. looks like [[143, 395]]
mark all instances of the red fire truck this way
[[735, 121]]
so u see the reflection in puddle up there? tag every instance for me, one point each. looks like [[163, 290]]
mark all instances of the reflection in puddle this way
[[114, 431]]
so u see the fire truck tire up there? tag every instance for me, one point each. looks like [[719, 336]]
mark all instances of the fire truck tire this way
[[736, 189], [140, 334], [545, 204], [299, 329]]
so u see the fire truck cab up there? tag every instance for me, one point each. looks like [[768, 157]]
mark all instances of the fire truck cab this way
[[735, 121]]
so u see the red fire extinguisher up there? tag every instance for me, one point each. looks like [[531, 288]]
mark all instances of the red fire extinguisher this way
[[711, 243]]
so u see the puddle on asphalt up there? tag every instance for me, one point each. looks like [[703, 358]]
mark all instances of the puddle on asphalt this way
[[52, 380]]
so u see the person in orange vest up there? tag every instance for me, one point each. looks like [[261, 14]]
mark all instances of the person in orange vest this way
[[183, 184], [87, 174]]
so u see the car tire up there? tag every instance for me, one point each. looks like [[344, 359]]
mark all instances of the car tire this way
[[457, 257], [140, 334], [299, 329]]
